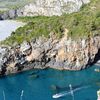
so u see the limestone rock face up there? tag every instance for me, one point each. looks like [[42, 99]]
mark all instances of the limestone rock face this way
[[24, 47], [45, 8], [64, 54], [52, 7]]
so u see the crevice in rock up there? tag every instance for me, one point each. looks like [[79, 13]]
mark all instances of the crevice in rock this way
[[3, 70], [97, 58], [20, 67]]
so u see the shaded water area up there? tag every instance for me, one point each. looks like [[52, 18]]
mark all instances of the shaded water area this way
[[7, 27], [42, 84]]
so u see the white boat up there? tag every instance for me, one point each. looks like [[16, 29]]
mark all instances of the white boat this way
[[58, 95]]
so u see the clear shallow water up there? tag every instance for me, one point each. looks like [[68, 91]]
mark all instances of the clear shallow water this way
[[40, 88], [7, 26]]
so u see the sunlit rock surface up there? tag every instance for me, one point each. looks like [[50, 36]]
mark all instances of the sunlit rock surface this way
[[64, 54], [45, 8], [52, 7]]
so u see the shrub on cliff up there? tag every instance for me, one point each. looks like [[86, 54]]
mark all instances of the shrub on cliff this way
[[79, 24]]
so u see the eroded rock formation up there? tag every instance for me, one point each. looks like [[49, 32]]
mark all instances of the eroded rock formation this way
[[64, 54], [45, 8], [52, 7]]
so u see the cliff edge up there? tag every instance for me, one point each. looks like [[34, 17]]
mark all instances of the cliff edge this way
[[66, 42], [63, 54]]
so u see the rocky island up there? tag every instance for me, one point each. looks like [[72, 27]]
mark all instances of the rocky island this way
[[62, 34]]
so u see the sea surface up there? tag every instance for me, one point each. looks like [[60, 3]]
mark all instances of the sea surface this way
[[26, 86], [43, 84], [7, 27]]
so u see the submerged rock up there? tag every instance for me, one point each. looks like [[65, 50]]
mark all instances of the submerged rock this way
[[34, 76], [54, 88]]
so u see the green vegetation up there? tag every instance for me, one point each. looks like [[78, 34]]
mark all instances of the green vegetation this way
[[80, 24], [1, 11], [13, 4]]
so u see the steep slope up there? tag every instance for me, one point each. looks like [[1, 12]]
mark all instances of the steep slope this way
[[63, 54], [67, 42]]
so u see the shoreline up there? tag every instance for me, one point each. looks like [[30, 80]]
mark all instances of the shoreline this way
[[44, 68], [60, 50], [49, 53], [29, 69], [7, 27]]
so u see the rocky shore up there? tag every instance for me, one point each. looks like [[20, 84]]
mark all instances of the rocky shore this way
[[63, 54]]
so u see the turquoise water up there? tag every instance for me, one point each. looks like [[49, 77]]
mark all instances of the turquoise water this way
[[42, 87]]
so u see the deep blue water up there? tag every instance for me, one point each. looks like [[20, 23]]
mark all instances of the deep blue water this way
[[41, 88]]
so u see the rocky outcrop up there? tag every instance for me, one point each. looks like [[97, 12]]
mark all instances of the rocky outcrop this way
[[98, 95], [45, 8], [64, 54], [52, 7], [11, 14]]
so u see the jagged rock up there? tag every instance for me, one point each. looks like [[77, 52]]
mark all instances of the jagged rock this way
[[63, 54], [98, 95], [3, 53], [46, 8], [12, 14], [4, 16], [25, 46], [52, 7], [36, 54]]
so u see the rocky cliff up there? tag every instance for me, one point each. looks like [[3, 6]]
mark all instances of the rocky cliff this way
[[64, 54], [11, 14], [46, 8], [52, 7]]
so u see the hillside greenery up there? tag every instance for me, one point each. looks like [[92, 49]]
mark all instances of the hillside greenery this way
[[6, 5], [80, 24]]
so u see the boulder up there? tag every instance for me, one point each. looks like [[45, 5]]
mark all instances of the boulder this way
[[4, 16], [12, 14], [36, 54], [98, 95], [25, 46]]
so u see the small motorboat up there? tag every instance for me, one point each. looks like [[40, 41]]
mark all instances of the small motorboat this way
[[57, 95], [71, 92], [60, 94]]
